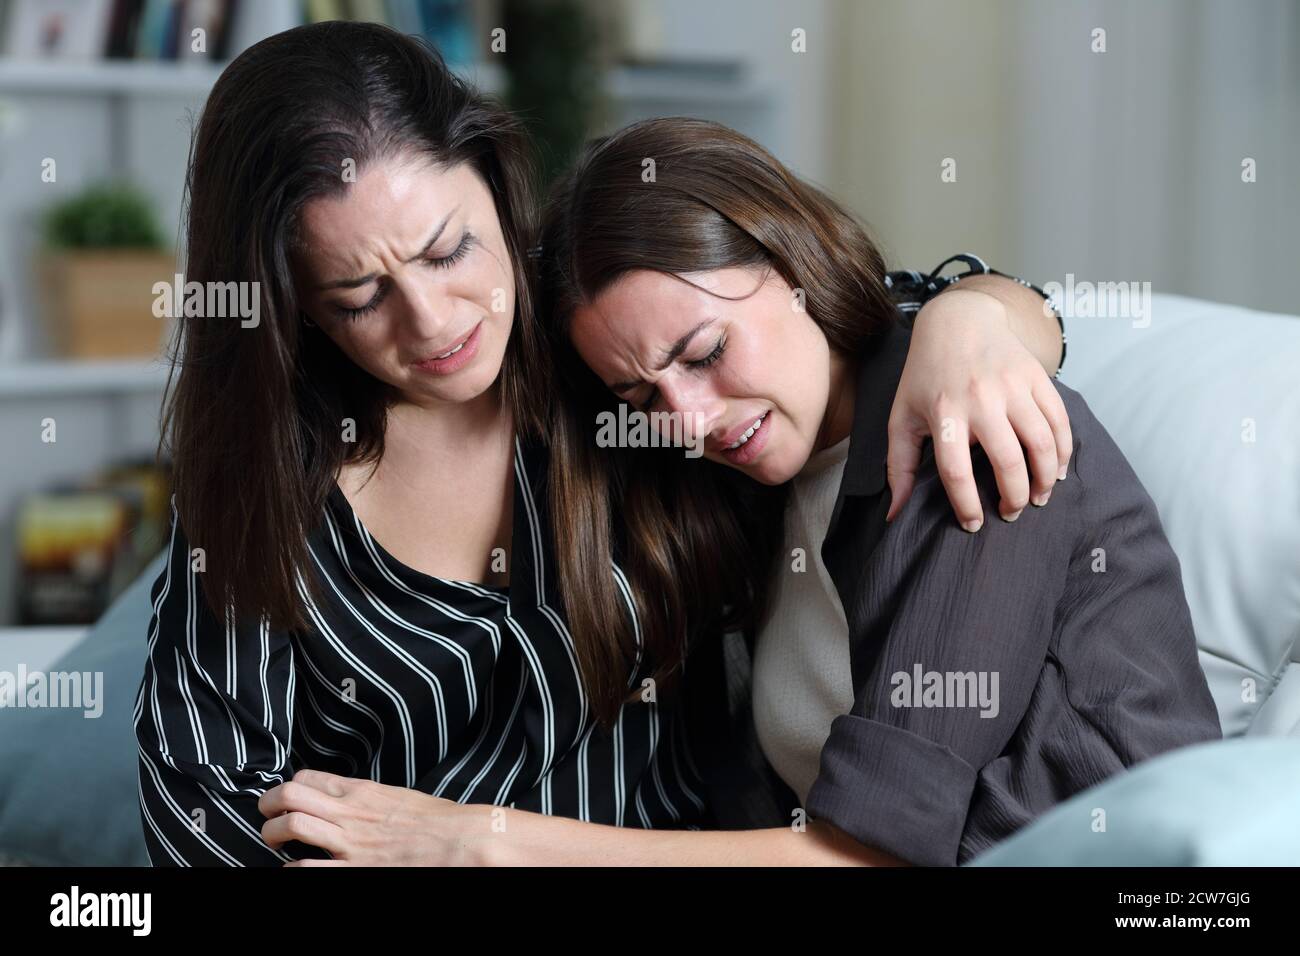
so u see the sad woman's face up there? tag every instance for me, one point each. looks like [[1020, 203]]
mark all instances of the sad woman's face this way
[[729, 351], [407, 271]]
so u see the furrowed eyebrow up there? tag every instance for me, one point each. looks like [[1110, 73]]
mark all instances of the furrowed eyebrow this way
[[669, 356], [367, 279]]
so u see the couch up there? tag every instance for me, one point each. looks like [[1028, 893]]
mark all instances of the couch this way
[[1204, 402]]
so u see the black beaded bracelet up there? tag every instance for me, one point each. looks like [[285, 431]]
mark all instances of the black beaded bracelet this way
[[977, 266]]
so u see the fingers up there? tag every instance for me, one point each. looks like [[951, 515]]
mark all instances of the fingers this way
[[305, 828], [1031, 425], [998, 439], [296, 795], [953, 461], [1034, 433], [901, 463], [330, 783], [1053, 409]]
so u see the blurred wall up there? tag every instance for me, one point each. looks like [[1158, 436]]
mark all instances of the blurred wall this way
[[1122, 165], [797, 86]]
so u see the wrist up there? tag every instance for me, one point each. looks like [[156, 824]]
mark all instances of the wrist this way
[[508, 837], [477, 836], [965, 305]]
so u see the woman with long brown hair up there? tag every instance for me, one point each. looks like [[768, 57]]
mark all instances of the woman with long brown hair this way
[[377, 590]]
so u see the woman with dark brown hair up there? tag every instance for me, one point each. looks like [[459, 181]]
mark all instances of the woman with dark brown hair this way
[[382, 613]]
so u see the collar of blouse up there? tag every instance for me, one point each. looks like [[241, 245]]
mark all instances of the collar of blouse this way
[[879, 371]]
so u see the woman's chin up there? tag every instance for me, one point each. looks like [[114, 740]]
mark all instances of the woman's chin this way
[[769, 473], [767, 469]]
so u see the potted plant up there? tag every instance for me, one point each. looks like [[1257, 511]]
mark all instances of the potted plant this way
[[103, 255]]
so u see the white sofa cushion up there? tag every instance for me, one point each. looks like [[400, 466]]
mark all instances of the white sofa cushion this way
[[1205, 403]]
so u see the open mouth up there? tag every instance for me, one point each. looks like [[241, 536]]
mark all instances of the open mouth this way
[[454, 358], [749, 433], [453, 351], [750, 442]]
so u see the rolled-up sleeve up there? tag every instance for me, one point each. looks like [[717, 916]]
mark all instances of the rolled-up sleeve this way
[[997, 673], [893, 789]]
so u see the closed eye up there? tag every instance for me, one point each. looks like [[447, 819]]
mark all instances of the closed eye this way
[[381, 292], [713, 356], [718, 349], [467, 242]]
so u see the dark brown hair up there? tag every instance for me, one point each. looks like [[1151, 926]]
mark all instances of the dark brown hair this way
[[698, 539], [254, 417]]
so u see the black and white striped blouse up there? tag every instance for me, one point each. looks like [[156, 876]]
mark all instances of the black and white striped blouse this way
[[467, 692]]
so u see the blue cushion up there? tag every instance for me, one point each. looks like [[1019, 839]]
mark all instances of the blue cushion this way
[[68, 788], [1224, 803]]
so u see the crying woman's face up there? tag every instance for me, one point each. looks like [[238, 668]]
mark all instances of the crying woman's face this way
[[730, 351], [408, 273]]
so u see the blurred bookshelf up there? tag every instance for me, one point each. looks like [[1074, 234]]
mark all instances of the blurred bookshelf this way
[[112, 90]]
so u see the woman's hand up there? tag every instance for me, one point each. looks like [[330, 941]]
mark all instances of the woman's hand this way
[[969, 379], [364, 823]]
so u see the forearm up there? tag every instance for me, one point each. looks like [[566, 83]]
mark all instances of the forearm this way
[[1027, 317], [533, 839]]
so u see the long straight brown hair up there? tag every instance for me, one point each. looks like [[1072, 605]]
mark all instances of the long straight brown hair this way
[[254, 417], [699, 540]]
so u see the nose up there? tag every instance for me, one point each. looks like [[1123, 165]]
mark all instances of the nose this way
[[695, 401], [429, 312]]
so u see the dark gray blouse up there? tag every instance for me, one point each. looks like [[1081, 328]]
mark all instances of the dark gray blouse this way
[[1074, 614], [995, 674]]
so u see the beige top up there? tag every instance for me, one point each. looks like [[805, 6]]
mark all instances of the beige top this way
[[802, 679]]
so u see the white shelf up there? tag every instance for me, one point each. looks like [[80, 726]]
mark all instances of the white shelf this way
[[160, 78], [177, 78], [627, 85], [68, 378], [642, 85], [637, 85]]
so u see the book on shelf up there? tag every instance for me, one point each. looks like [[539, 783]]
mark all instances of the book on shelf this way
[[448, 24], [55, 29], [89, 30], [201, 30], [79, 545]]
